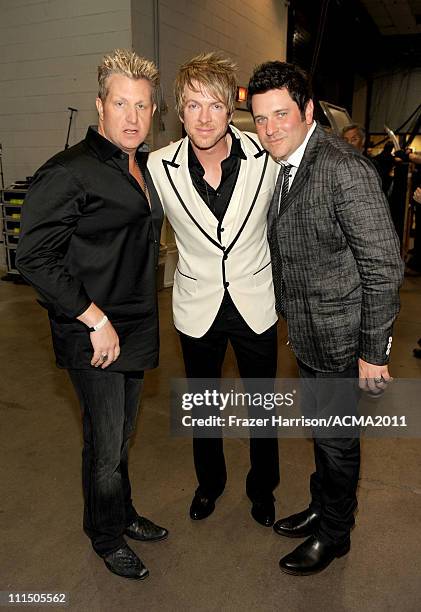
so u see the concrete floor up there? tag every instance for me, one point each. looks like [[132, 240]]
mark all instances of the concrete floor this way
[[226, 562]]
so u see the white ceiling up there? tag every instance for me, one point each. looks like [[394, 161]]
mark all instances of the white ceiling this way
[[395, 17]]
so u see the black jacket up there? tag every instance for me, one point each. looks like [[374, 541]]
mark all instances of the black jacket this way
[[89, 235]]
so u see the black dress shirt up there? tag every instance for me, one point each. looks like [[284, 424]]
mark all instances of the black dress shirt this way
[[218, 199], [89, 235]]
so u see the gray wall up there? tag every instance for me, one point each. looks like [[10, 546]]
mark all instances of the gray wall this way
[[49, 51], [248, 31]]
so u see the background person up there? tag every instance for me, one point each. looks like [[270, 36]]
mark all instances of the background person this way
[[384, 163], [354, 134]]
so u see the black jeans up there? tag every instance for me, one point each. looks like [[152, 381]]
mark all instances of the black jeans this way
[[333, 485], [256, 356], [109, 403]]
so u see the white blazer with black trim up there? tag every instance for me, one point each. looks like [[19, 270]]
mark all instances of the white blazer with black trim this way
[[213, 256]]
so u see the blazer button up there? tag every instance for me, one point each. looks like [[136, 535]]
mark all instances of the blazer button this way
[[225, 257], [226, 285], [222, 229]]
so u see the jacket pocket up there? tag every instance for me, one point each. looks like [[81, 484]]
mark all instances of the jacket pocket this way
[[263, 275], [185, 282]]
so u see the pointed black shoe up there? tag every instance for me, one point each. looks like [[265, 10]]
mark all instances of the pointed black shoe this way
[[201, 507], [125, 563], [300, 525], [144, 530], [263, 512], [312, 556]]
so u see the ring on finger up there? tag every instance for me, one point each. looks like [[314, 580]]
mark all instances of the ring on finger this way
[[104, 357]]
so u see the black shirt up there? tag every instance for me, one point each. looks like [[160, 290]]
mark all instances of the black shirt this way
[[218, 199], [89, 235]]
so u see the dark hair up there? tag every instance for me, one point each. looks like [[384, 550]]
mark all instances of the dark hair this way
[[280, 75]]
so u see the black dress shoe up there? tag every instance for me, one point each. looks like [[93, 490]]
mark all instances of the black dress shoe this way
[[125, 563], [201, 507], [263, 512], [312, 556], [298, 525], [144, 530]]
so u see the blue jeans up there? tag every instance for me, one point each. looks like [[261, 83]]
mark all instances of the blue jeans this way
[[109, 403]]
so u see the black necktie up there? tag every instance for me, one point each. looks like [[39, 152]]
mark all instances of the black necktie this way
[[280, 195], [285, 171]]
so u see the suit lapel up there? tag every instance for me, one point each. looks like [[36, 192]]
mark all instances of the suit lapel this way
[[178, 175], [251, 202], [303, 172], [247, 187], [243, 199], [234, 210]]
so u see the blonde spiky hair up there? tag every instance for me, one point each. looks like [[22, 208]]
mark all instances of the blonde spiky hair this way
[[210, 71], [128, 63]]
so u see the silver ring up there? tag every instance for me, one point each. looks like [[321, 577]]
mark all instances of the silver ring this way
[[378, 380]]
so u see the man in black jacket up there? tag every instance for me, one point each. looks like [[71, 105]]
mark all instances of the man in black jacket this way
[[89, 245], [337, 271]]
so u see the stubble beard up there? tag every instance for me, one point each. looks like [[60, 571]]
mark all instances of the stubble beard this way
[[207, 145]]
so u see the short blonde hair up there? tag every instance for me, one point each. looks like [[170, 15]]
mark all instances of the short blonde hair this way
[[128, 63], [210, 71]]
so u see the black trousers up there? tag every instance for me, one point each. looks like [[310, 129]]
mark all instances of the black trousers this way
[[256, 356], [333, 485], [109, 403]]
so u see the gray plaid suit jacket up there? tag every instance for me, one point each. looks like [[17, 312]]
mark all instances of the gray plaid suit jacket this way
[[335, 254]]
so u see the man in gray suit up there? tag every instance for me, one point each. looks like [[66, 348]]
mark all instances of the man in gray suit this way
[[337, 272]]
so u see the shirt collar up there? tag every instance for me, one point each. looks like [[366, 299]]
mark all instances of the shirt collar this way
[[236, 148], [236, 151], [104, 148], [295, 158]]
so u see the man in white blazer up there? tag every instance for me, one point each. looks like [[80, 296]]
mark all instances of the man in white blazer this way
[[216, 185]]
